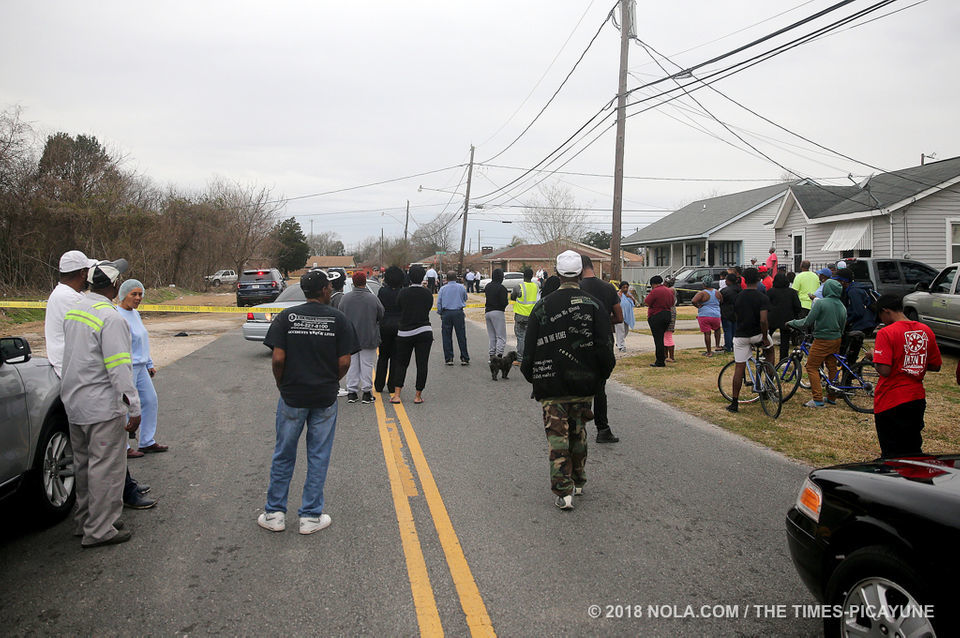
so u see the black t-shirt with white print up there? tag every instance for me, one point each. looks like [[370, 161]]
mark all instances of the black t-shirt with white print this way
[[314, 336]]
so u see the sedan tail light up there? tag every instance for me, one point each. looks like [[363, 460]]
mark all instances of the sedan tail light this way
[[249, 316], [273, 283], [238, 285], [810, 499]]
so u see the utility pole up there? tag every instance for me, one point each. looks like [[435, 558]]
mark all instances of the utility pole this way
[[406, 222], [625, 27], [381, 246], [466, 207]]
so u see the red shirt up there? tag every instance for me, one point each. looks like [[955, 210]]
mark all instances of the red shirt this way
[[768, 282], [772, 263], [909, 347], [658, 300]]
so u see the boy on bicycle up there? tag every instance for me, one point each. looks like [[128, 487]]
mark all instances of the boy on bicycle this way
[[828, 317], [751, 308]]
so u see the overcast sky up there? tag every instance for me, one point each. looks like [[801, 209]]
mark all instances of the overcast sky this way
[[310, 97]]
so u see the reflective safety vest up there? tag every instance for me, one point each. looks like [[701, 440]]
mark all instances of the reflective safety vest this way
[[527, 299]]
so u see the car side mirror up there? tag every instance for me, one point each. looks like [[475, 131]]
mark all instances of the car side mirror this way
[[922, 286], [14, 350]]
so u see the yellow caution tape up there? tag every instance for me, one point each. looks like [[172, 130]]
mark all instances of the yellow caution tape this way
[[152, 307]]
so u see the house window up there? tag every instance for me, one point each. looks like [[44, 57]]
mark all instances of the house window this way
[[730, 253], [850, 254], [692, 255], [661, 256], [955, 241]]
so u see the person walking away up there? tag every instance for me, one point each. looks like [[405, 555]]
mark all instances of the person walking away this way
[[365, 312], [669, 345], [393, 280], [728, 316], [567, 356], [806, 283], [432, 280], [828, 317], [414, 335], [606, 294], [628, 301], [74, 267], [312, 344], [130, 296], [471, 278], [524, 300], [451, 301], [707, 302], [496, 295], [658, 301], [784, 306], [860, 312], [904, 352], [101, 401], [751, 307]]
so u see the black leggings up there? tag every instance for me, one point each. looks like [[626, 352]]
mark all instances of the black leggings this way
[[388, 350], [658, 326], [785, 338], [406, 346]]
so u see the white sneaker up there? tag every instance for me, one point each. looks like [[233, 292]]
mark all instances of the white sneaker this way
[[341, 392], [578, 491], [311, 524], [565, 502], [273, 521]]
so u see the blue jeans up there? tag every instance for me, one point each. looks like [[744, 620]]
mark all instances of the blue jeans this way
[[450, 320], [321, 423], [729, 327]]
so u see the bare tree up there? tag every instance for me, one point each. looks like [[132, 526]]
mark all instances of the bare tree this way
[[249, 214], [436, 235], [553, 216], [326, 243]]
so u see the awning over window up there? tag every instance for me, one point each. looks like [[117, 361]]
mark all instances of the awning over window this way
[[850, 236]]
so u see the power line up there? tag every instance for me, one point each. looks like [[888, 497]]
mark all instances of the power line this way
[[353, 188], [654, 178]]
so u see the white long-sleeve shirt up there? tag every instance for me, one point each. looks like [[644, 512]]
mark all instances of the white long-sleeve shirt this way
[[61, 299]]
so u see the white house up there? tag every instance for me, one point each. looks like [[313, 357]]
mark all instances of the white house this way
[[913, 213], [720, 231]]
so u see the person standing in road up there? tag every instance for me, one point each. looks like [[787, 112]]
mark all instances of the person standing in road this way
[[707, 302], [524, 299], [451, 301], [414, 335], [130, 296], [751, 307], [432, 280], [568, 355], [606, 295], [828, 318], [904, 352], [494, 308], [393, 280], [806, 283], [101, 401], [312, 344], [659, 301], [365, 312]]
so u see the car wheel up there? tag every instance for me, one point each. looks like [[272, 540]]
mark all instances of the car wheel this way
[[52, 486], [216, 283], [871, 589]]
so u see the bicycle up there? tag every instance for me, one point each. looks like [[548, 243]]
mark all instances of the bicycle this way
[[761, 377], [856, 381]]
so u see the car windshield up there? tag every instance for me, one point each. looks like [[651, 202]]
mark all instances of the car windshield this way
[[256, 275], [684, 274]]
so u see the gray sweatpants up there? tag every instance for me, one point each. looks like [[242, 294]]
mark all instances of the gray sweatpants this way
[[100, 463], [497, 331], [360, 374]]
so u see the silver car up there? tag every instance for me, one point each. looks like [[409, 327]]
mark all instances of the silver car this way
[[36, 459], [937, 305], [259, 317]]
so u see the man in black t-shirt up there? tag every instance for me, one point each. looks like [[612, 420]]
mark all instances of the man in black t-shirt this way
[[312, 344], [606, 294], [751, 308]]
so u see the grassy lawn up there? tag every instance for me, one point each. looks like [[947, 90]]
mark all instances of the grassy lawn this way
[[835, 434]]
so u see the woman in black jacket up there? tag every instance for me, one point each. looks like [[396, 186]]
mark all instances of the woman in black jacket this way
[[414, 334], [393, 280], [784, 306], [494, 308]]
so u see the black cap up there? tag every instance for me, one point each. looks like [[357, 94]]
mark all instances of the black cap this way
[[313, 282]]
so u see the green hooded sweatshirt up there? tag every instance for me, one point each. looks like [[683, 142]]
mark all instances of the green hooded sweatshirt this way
[[828, 315]]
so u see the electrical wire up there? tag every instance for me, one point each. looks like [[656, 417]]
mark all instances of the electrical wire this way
[[353, 188], [652, 178]]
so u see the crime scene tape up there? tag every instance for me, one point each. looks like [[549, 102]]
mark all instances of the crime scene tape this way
[[172, 308]]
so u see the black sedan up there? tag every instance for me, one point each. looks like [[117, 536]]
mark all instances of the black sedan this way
[[879, 545]]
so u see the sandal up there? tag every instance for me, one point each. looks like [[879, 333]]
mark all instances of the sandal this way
[[417, 401], [395, 401]]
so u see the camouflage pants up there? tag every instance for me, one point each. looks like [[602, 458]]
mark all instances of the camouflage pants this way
[[565, 425]]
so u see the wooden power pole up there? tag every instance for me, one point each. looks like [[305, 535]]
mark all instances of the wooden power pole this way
[[466, 207], [406, 222], [625, 26]]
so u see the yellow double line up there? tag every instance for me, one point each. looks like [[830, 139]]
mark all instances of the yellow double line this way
[[403, 488]]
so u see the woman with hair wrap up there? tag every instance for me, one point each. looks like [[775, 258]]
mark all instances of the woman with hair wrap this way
[[393, 280]]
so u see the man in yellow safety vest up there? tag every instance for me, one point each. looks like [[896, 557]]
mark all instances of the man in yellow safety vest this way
[[524, 300]]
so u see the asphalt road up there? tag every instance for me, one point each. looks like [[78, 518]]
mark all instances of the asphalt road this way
[[442, 518]]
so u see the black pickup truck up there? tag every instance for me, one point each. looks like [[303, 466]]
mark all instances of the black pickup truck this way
[[891, 276]]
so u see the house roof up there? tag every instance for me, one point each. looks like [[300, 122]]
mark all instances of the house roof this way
[[698, 218], [545, 251], [629, 256], [330, 261], [881, 191]]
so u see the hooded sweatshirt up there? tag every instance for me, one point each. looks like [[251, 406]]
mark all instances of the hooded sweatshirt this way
[[828, 316], [496, 293]]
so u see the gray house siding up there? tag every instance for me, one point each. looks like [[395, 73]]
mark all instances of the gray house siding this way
[[814, 237], [756, 238], [922, 230]]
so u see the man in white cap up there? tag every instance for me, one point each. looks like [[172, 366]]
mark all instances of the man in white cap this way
[[73, 281], [101, 400], [567, 357]]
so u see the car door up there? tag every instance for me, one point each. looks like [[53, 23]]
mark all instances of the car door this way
[[941, 308], [14, 424], [888, 279], [915, 272]]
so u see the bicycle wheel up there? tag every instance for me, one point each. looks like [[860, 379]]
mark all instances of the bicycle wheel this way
[[790, 373], [769, 390], [725, 383], [859, 383]]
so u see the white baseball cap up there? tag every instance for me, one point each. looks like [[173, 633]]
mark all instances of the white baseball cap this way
[[105, 273], [569, 263], [74, 260]]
